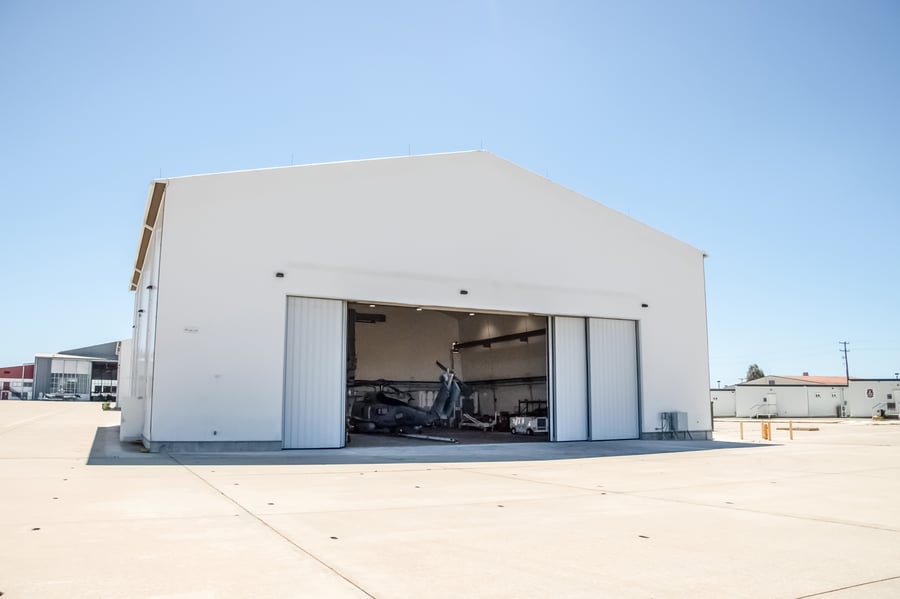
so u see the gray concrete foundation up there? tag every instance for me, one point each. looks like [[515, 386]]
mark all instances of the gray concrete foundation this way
[[209, 446], [679, 436]]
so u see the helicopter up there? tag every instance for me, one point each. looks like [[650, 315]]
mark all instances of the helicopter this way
[[386, 410]]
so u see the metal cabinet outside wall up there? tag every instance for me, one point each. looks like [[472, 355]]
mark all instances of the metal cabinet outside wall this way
[[314, 374], [594, 369]]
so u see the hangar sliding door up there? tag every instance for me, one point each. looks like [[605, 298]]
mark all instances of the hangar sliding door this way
[[569, 374], [314, 374], [613, 376]]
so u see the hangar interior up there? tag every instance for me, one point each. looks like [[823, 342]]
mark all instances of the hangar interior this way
[[500, 359]]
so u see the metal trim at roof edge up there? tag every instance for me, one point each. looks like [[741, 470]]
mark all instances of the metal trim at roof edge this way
[[154, 201]]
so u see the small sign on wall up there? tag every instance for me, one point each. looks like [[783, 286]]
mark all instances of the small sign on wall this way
[[870, 393]]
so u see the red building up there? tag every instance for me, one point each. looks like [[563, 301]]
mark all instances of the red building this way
[[16, 382]]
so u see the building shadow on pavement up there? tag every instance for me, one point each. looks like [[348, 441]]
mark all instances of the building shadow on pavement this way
[[107, 450]]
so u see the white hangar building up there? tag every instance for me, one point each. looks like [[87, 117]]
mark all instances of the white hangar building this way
[[266, 301]]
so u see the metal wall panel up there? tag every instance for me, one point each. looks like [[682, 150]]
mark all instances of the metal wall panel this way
[[42, 369], [570, 399], [612, 363], [314, 374]]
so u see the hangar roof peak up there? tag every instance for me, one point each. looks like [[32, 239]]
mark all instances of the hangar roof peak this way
[[461, 159]]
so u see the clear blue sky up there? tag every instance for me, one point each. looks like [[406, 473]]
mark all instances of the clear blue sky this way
[[766, 133]]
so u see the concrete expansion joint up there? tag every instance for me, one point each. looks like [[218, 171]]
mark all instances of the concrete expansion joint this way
[[586, 491], [852, 586], [733, 507], [271, 528], [12, 426]]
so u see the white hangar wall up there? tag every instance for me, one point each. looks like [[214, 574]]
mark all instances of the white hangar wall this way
[[412, 230], [132, 413], [143, 350]]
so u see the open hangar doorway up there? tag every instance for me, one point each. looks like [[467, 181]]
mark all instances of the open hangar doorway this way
[[403, 363]]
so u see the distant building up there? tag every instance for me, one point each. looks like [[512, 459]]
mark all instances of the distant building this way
[[85, 373], [791, 396], [16, 381], [868, 397], [808, 396]]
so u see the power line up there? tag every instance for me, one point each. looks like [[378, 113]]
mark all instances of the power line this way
[[845, 351]]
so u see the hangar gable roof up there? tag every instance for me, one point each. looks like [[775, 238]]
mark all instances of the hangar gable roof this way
[[444, 169]]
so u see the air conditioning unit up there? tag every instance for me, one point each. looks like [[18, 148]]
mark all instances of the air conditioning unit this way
[[678, 421]]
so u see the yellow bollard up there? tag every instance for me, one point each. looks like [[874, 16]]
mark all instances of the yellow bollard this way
[[791, 428], [762, 429], [742, 429]]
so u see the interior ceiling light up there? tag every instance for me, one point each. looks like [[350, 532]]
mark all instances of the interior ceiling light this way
[[418, 309], [371, 305], [471, 314]]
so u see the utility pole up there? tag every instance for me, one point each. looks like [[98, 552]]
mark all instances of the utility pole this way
[[846, 363]]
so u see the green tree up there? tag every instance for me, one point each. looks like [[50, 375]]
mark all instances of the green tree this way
[[754, 372]]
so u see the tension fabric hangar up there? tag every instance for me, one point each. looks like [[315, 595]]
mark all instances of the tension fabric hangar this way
[[443, 296]]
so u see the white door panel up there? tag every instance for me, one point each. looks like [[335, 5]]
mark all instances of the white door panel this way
[[612, 362], [315, 374], [570, 401]]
